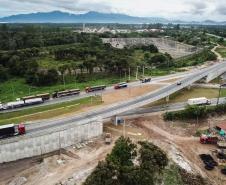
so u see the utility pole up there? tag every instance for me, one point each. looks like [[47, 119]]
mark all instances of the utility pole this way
[[137, 72], [13, 90], [124, 129], [143, 70], [219, 95], [64, 81], [129, 74]]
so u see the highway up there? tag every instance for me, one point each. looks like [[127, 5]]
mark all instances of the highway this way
[[108, 89], [118, 108], [167, 107]]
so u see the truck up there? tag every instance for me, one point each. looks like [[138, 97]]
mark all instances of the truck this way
[[1, 106], [199, 101], [95, 88], [45, 97], [208, 139], [12, 130], [221, 144], [59, 94], [108, 138], [33, 101], [121, 85], [145, 80]]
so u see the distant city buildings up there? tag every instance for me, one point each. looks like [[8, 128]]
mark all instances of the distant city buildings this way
[[115, 31]]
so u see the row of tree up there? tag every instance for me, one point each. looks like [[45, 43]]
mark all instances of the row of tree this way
[[195, 112]]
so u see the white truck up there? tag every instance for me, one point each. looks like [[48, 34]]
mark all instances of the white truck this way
[[199, 101], [1, 106]]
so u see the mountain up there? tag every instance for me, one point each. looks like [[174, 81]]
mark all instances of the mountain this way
[[92, 17]]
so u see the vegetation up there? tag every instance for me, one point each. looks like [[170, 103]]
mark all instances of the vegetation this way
[[119, 167], [48, 111], [43, 58], [195, 112], [196, 59], [222, 52]]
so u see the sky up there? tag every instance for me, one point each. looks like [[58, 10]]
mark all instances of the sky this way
[[192, 10]]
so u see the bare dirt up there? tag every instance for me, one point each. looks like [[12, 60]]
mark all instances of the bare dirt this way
[[176, 138], [73, 163], [129, 93]]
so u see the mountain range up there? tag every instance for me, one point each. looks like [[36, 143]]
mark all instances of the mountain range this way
[[91, 17]]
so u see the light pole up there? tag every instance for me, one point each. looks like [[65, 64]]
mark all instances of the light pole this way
[[137, 72], [222, 85]]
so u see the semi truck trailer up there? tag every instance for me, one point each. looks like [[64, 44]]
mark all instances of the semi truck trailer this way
[[199, 101], [12, 130], [95, 88]]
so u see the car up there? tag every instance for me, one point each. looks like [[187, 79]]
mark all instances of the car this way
[[179, 83]]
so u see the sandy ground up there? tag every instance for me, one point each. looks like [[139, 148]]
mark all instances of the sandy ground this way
[[129, 93], [76, 163], [176, 138]]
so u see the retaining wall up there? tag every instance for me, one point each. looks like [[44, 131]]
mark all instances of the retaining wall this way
[[24, 147]]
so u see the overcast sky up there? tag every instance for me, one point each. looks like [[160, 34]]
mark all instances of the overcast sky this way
[[171, 9]]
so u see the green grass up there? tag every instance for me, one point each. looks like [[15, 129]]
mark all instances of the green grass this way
[[17, 88], [185, 94], [48, 111], [171, 176], [222, 52], [49, 62]]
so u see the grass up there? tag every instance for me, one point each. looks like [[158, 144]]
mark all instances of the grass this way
[[171, 176], [17, 88], [222, 52], [185, 94], [48, 111]]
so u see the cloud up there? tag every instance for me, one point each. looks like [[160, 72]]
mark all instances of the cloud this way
[[179, 9], [221, 9]]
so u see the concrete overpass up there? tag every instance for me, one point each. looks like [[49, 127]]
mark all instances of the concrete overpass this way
[[118, 108], [50, 135]]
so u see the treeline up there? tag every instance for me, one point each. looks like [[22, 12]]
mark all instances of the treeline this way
[[195, 112], [29, 36]]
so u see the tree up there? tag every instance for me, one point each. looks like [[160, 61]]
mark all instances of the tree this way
[[3, 74], [120, 169], [104, 174], [123, 152]]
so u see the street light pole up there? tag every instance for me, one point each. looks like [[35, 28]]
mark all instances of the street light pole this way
[[219, 95], [221, 85]]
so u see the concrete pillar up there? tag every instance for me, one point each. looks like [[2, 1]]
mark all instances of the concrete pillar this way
[[167, 99]]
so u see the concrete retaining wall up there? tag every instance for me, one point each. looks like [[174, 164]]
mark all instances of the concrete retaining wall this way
[[25, 147]]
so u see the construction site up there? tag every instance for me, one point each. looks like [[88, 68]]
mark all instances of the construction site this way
[[197, 155], [199, 149]]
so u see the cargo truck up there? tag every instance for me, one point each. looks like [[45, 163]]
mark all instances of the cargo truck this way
[[71, 92], [95, 88], [108, 138], [145, 80], [208, 139], [12, 130], [199, 101]]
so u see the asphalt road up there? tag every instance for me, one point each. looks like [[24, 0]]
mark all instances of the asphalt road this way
[[167, 107], [119, 108], [108, 89]]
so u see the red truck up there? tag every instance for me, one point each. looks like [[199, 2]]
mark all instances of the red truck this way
[[12, 130], [208, 139]]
